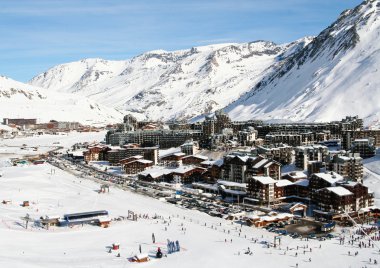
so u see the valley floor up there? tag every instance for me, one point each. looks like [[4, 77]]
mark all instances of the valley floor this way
[[205, 241]]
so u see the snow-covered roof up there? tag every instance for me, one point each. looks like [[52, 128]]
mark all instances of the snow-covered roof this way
[[197, 156], [243, 158], [218, 162], [156, 171], [303, 182], [296, 174], [283, 183], [278, 216], [144, 161], [208, 162], [133, 157], [191, 143], [232, 184], [260, 163], [205, 186], [235, 192], [339, 190], [264, 179], [104, 218], [184, 169], [77, 153], [330, 177]]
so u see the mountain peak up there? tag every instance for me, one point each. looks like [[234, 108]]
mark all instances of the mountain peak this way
[[314, 78]]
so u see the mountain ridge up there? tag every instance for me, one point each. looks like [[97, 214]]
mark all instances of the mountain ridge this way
[[311, 79]]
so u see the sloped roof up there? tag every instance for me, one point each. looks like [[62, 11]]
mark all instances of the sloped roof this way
[[264, 179], [339, 190]]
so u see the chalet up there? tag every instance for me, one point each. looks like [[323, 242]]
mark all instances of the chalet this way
[[298, 190], [130, 159], [262, 221], [50, 221], [187, 174], [363, 196], [137, 166], [181, 174], [234, 168], [96, 153], [261, 188], [172, 160], [214, 169], [193, 159], [280, 188], [239, 168], [104, 221], [264, 167], [335, 199], [322, 180]]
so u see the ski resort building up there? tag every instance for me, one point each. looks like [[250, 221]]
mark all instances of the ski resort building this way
[[90, 217], [350, 166], [172, 160], [365, 147], [238, 168], [262, 189], [162, 138], [96, 153], [281, 153], [194, 159], [190, 148], [115, 155], [305, 154], [136, 166]]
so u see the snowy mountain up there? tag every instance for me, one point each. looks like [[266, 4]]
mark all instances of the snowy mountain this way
[[165, 85], [22, 100], [336, 74], [322, 78]]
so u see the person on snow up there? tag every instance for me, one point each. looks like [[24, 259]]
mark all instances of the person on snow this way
[[153, 238], [177, 245], [159, 253]]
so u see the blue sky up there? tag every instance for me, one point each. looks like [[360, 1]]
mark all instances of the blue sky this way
[[38, 34]]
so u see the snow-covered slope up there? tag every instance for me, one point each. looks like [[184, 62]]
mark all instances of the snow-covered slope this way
[[22, 100], [336, 74], [166, 85], [323, 78]]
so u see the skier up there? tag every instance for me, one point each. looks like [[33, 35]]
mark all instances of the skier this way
[[140, 248], [177, 245], [153, 238]]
